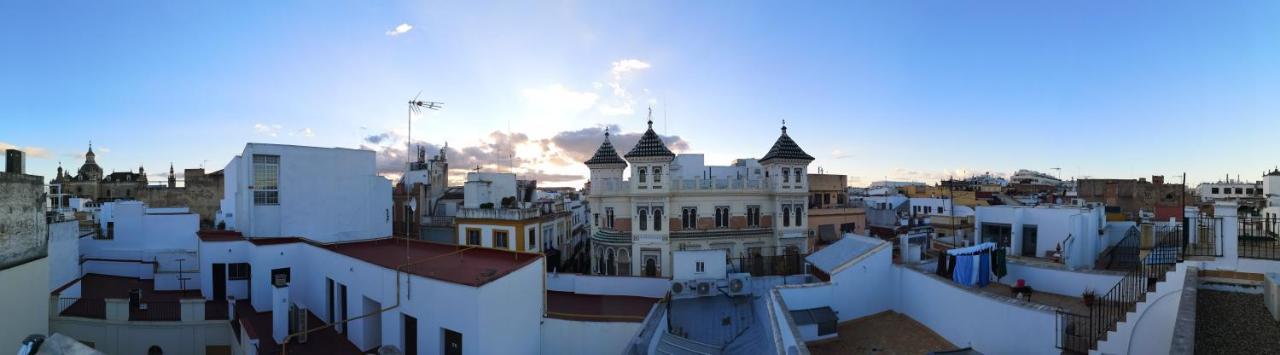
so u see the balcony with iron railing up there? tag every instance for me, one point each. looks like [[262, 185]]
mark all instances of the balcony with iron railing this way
[[508, 214]]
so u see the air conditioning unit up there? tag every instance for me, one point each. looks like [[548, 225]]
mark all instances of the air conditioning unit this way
[[739, 284], [677, 288], [704, 288]]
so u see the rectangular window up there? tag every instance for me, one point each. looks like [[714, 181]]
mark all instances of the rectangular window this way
[[722, 217], [689, 218], [473, 237], [608, 217], [753, 216], [1213, 190], [786, 175], [266, 179], [238, 271], [701, 267], [1239, 191], [500, 240], [533, 241], [1248, 191]]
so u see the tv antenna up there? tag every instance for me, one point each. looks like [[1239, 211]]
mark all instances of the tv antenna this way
[[416, 106]]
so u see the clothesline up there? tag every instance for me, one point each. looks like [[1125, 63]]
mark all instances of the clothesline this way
[[973, 249]]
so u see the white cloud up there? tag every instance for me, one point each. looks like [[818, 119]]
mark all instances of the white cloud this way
[[627, 65], [557, 99], [31, 151], [272, 130], [839, 154], [305, 132], [399, 30]]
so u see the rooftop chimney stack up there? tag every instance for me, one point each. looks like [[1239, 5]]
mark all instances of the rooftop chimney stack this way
[[14, 161]]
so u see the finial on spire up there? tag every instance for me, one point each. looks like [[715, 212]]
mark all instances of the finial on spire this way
[[650, 117], [606, 132], [784, 125]]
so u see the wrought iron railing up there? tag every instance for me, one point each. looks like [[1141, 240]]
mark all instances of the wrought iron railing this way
[[95, 308], [1259, 237], [1081, 332], [1124, 255], [1201, 236], [771, 265]]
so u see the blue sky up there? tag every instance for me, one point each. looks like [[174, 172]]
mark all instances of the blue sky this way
[[901, 90]]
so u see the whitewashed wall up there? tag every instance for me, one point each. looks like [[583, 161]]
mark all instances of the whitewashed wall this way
[[867, 287], [326, 194], [965, 318], [561, 336], [609, 285], [64, 253], [1059, 281], [25, 305], [223, 253], [121, 337]]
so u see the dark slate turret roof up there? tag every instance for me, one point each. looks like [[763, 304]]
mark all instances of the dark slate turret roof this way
[[1275, 172], [650, 145], [606, 154], [785, 148]]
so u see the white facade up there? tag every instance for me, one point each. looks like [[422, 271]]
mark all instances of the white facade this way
[[141, 242], [699, 265], [1230, 189], [482, 188], [1078, 230], [322, 194], [657, 202]]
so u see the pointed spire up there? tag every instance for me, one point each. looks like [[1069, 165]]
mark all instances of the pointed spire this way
[[605, 154], [785, 148]]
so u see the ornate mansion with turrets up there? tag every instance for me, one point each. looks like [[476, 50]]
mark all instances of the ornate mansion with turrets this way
[[650, 202]]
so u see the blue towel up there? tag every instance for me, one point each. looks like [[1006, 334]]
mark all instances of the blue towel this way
[[984, 270]]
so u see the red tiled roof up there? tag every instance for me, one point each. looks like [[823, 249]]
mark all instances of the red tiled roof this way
[[213, 235], [451, 263], [598, 308]]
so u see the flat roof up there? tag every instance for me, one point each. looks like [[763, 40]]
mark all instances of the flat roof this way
[[598, 308], [466, 265], [472, 266]]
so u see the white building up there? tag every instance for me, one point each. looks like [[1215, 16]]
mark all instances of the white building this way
[[1037, 231], [421, 297], [141, 242], [655, 202], [1230, 189], [325, 194]]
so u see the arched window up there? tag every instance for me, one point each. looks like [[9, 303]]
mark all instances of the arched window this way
[[657, 174], [798, 212], [657, 217], [799, 175], [643, 174], [609, 263], [644, 219], [624, 262], [786, 216]]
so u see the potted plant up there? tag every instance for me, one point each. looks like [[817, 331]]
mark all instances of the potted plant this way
[[1089, 296]]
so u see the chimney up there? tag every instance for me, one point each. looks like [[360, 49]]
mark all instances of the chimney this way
[[14, 161], [279, 308]]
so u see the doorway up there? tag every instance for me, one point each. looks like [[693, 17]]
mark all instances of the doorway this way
[[1029, 241], [219, 282], [410, 335], [452, 342]]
